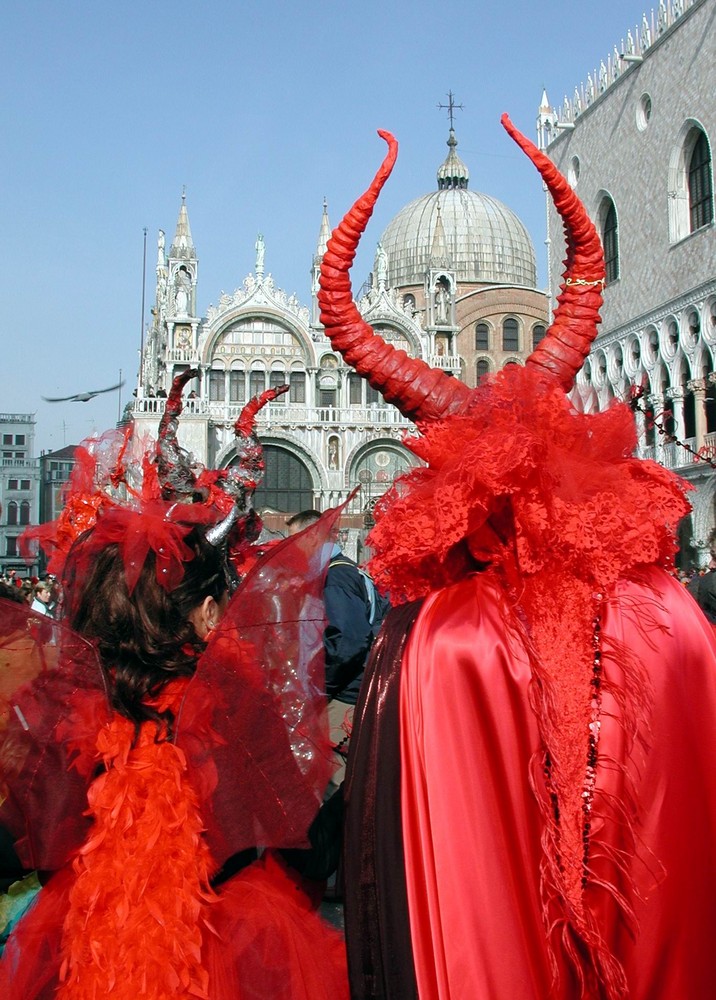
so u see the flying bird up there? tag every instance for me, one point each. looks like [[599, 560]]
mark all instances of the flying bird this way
[[82, 397]]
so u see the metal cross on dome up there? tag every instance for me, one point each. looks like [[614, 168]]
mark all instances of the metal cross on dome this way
[[451, 107]]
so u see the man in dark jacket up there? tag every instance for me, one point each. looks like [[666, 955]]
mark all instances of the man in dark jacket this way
[[353, 615], [703, 588]]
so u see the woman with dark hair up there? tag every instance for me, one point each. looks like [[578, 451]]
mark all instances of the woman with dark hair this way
[[155, 737]]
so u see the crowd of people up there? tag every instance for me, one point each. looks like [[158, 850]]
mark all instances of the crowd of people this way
[[40, 592], [528, 806]]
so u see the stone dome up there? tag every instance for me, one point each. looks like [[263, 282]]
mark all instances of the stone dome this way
[[472, 234]]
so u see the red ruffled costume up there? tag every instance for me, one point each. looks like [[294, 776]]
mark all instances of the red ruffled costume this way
[[135, 829]]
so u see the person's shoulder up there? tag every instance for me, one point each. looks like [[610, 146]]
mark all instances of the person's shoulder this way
[[341, 561]]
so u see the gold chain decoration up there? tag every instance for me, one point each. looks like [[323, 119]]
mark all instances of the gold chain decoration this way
[[599, 282], [595, 725]]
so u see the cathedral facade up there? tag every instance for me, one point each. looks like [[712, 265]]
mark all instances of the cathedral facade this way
[[636, 145], [454, 283]]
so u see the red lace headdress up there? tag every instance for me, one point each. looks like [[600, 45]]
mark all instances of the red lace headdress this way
[[550, 500], [148, 496]]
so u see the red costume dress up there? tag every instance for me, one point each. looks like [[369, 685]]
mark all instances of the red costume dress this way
[[134, 822], [530, 799]]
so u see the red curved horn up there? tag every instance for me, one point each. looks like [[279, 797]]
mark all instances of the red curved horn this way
[[574, 327], [420, 392], [174, 470]]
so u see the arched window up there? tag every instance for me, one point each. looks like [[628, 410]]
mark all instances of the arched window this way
[[701, 202], [12, 512], [538, 334], [237, 386], [510, 335], [690, 182], [372, 396], [297, 392], [287, 485], [276, 379], [257, 382], [217, 386], [610, 239], [481, 369], [25, 512], [482, 337]]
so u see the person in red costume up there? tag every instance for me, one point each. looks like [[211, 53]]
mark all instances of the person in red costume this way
[[158, 734], [530, 797]]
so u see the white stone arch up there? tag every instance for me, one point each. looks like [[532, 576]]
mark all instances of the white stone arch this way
[[703, 359], [291, 443], [669, 337], [632, 356], [708, 320], [213, 333], [615, 365], [606, 395], [650, 346], [690, 334], [678, 181], [383, 326], [662, 378], [377, 444], [599, 368]]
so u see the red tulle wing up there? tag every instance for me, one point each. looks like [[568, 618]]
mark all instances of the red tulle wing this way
[[47, 673], [252, 723]]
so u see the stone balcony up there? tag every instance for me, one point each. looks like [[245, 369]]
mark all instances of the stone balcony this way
[[281, 414]]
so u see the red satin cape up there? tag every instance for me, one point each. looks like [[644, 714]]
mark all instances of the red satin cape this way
[[473, 826]]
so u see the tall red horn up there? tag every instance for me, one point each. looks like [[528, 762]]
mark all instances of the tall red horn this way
[[420, 392], [574, 327], [177, 477]]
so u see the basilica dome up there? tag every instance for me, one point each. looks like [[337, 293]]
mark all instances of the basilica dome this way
[[472, 234]]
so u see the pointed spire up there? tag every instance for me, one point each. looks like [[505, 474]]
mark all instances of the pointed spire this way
[[453, 173], [325, 233], [183, 245], [544, 104], [438, 251]]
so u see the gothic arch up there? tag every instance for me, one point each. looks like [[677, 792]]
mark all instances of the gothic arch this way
[[608, 229], [678, 178]]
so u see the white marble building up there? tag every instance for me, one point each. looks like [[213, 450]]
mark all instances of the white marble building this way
[[454, 283]]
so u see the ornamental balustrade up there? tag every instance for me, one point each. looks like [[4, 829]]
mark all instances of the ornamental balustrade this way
[[281, 413]]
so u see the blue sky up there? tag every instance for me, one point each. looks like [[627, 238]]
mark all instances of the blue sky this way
[[261, 110]]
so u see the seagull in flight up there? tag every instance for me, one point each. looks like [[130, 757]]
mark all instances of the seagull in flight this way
[[82, 397]]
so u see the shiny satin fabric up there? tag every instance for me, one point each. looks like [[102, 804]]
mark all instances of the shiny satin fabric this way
[[472, 826], [380, 960]]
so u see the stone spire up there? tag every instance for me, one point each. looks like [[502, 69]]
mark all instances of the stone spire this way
[[325, 233], [183, 245], [321, 246], [439, 256], [546, 122]]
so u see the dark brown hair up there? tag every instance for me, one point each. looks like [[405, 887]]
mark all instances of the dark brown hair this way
[[146, 639]]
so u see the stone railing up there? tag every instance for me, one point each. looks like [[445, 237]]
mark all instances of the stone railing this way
[[280, 413]]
